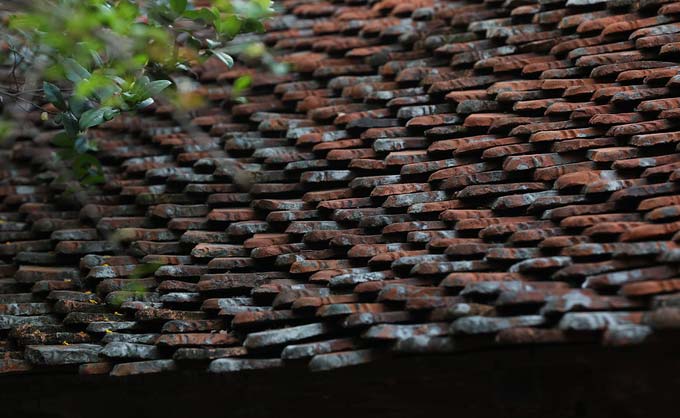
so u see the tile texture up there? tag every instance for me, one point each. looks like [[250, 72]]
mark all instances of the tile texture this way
[[431, 177]]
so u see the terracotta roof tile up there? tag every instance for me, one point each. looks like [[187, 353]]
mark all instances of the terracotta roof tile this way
[[427, 175]]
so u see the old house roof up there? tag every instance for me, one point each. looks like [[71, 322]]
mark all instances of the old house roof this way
[[431, 177]]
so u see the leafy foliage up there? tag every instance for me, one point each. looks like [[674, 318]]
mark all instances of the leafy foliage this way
[[101, 58]]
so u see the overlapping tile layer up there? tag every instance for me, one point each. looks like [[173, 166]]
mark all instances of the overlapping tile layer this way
[[432, 177]]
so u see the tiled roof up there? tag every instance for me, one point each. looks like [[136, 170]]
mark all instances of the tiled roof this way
[[432, 177]]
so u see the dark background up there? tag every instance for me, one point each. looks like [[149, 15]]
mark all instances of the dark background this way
[[557, 382]]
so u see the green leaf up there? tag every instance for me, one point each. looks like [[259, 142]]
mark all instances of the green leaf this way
[[93, 117], [225, 58], [212, 44], [145, 103], [204, 14], [157, 86], [6, 128], [142, 82], [144, 270], [178, 6], [264, 4], [63, 140], [194, 42], [66, 154], [242, 83], [54, 96], [74, 71], [81, 145], [85, 164], [230, 26], [78, 104], [110, 113], [105, 93], [160, 13], [139, 90], [254, 50], [120, 81], [96, 58], [253, 25], [70, 122]]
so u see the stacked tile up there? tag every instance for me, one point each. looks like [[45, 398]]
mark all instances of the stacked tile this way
[[430, 177]]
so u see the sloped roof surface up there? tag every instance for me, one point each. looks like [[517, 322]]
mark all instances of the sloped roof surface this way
[[433, 176]]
